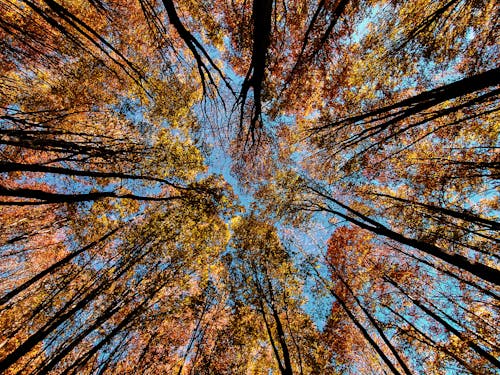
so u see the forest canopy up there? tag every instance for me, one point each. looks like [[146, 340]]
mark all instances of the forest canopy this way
[[249, 187]]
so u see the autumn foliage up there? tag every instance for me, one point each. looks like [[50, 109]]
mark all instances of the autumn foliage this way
[[249, 187]]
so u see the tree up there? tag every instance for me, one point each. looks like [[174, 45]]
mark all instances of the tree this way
[[125, 127], [374, 274], [261, 276]]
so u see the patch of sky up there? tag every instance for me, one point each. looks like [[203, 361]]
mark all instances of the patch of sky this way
[[307, 246], [133, 110], [65, 334], [111, 352], [363, 28]]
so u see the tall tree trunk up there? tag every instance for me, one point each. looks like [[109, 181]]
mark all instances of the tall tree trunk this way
[[480, 270], [483, 353]]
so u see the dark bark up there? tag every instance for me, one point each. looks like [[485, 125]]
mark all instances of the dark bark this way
[[69, 346], [358, 324], [462, 214], [45, 197], [377, 327], [284, 364], [49, 327], [483, 353], [68, 311], [54, 267], [36, 142], [427, 22], [449, 273], [304, 59], [418, 103], [271, 338], [261, 17], [119, 328], [425, 339], [194, 46], [89, 34], [281, 338], [40, 168], [111, 360], [478, 269]]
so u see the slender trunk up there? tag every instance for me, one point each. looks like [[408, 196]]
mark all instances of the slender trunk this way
[[54, 267], [362, 329], [462, 215], [45, 197], [430, 342], [378, 328], [40, 168], [480, 270], [483, 353], [62, 317], [111, 357], [261, 300], [424, 100], [63, 352], [282, 341], [280, 331], [449, 273], [118, 329], [271, 339]]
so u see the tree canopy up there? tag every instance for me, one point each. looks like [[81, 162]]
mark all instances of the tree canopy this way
[[249, 187]]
